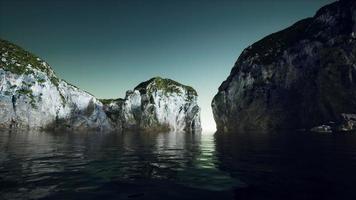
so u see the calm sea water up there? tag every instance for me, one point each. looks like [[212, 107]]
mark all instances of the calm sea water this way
[[132, 165]]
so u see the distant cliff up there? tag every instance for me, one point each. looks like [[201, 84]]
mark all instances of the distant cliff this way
[[157, 104], [303, 77], [33, 97]]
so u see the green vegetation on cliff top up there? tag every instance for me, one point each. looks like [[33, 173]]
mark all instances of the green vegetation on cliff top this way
[[154, 84], [18, 61], [273, 45], [167, 85]]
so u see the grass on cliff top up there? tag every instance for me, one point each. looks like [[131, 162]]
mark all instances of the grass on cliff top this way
[[22, 58], [273, 45], [156, 83], [167, 85]]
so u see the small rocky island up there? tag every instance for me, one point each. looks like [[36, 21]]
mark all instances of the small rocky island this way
[[157, 104], [33, 97], [303, 77]]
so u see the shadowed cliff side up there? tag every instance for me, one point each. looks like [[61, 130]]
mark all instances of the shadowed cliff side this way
[[299, 78]]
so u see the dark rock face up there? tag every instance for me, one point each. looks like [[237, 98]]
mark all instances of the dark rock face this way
[[299, 78]]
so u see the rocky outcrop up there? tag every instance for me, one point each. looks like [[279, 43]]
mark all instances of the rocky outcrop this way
[[299, 78], [33, 97], [157, 104]]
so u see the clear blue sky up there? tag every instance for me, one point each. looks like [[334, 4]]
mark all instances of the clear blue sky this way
[[107, 47]]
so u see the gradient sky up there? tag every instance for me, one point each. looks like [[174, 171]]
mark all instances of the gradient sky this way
[[107, 47]]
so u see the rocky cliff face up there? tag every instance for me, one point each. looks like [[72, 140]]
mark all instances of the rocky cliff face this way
[[157, 104], [298, 78], [32, 97]]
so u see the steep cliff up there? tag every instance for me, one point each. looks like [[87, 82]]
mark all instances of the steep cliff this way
[[33, 97], [157, 104], [298, 78]]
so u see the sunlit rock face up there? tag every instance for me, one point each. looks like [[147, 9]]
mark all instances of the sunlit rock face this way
[[157, 104], [31, 96], [298, 78]]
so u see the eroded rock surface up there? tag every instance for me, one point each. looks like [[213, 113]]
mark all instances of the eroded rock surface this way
[[33, 97], [157, 104], [299, 78]]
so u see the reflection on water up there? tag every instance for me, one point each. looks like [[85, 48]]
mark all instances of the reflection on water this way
[[177, 166], [290, 165], [115, 165]]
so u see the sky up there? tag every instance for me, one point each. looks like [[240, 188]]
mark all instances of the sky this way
[[108, 47]]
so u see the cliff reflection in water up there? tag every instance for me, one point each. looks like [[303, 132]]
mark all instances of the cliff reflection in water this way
[[177, 166], [113, 165], [289, 165]]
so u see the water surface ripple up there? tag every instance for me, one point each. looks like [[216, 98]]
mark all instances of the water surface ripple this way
[[133, 165]]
